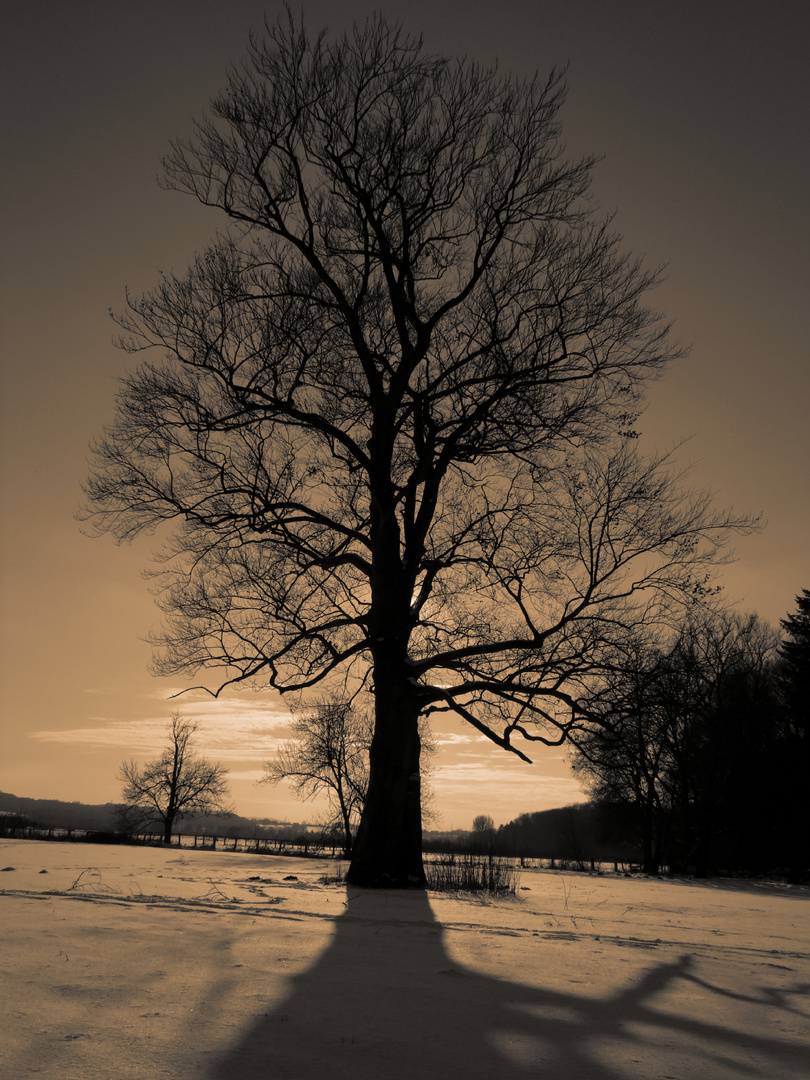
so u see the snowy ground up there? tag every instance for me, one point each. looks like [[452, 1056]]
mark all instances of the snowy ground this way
[[122, 963]]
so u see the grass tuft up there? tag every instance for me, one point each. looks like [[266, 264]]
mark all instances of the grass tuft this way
[[474, 873]]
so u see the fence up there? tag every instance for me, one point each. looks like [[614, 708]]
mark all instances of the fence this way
[[314, 846]]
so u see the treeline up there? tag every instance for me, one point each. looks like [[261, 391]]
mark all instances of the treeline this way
[[702, 763], [55, 814], [578, 836], [697, 760]]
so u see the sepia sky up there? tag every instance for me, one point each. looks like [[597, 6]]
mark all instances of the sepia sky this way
[[701, 112]]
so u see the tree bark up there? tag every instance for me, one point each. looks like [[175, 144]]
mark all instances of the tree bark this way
[[387, 851]]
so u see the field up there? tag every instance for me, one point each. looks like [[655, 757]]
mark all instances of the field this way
[[121, 963]]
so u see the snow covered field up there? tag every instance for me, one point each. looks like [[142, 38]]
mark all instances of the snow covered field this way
[[124, 963]]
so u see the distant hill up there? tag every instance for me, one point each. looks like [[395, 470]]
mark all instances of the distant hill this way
[[61, 815], [52, 813]]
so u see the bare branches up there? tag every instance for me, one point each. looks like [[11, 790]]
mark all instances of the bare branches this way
[[535, 600], [177, 784], [328, 754], [391, 426]]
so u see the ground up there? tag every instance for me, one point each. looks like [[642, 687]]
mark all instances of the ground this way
[[126, 963]]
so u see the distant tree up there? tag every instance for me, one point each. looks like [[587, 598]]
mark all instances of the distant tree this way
[[392, 416], [327, 754], [483, 823], [578, 833], [179, 783], [483, 834]]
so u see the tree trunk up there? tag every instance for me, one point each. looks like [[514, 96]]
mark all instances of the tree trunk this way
[[387, 851], [345, 818], [650, 849], [649, 862]]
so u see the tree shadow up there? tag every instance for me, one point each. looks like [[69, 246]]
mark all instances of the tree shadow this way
[[386, 999], [758, 887]]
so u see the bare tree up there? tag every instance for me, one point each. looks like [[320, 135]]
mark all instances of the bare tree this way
[[391, 418], [483, 833], [483, 823], [327, 754], [179, 783], [625, 760]]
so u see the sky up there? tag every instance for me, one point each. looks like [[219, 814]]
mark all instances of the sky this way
[[700, 113]]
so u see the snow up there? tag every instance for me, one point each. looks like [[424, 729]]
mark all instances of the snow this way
[[144, 962]]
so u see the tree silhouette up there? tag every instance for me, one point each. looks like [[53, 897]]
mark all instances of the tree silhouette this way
[[794, 685], [391, 417], [483, 823], [692, 731], [625, 762], [328, 753], [794, 674], [179, 783]]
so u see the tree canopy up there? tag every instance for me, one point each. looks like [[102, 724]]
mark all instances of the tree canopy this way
[[389, 423]]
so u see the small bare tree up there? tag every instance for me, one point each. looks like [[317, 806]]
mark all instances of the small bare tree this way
[[483, 823], [179, 783], [483, 834], [327, 754]]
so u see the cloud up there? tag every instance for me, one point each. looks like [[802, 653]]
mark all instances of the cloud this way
[[234, 729], [478, 774], [505, 791], [451, 738], [251, 775]]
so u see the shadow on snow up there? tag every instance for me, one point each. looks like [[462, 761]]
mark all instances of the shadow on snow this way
[[385, 999]]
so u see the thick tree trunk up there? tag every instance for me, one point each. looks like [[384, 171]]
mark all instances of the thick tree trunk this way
[[387, 851]]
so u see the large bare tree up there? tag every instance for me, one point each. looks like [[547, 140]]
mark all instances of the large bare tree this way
[[390, 415], [176, 784]]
